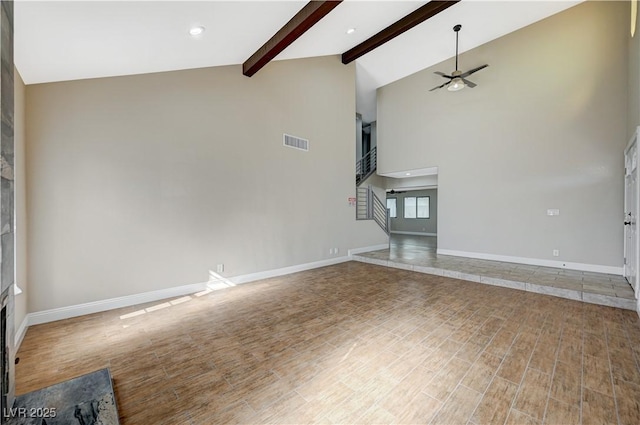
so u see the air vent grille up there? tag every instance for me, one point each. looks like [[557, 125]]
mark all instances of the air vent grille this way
[[296, 142]]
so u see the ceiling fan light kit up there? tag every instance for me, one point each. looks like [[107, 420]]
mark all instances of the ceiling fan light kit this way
[[456, 84], [458, 79]]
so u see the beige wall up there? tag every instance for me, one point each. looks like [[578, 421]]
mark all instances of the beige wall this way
[[20, 201], [545, 128], [146, 182]]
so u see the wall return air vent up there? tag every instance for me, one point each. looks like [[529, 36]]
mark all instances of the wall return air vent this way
[[295, 142]]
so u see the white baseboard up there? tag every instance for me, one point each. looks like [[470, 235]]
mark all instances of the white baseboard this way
[[112, 303], [355, 251], [21, 331], [401, 232], [286, 270], [535, 262], [129, 300]]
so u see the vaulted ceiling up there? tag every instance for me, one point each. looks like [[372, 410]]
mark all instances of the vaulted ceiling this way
[[70, 40]]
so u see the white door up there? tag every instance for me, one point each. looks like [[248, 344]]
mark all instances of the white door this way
[[631, 214]]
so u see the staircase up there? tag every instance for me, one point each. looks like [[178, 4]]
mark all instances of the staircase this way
[[370, 207], [366, 166]]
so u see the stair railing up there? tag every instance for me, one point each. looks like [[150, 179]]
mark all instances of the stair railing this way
[[380, 213], [362, 203], [366, 166], [370, 207]]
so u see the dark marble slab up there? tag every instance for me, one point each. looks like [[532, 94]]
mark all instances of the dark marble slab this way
[[86, 400]]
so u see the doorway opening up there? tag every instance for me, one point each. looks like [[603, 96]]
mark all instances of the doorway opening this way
[[412, 201]]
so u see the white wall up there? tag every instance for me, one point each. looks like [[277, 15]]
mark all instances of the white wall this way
[[633, 116], [147, 182], [545, 128], [20, 201]]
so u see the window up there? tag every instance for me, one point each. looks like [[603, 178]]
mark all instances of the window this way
[[391, 206], [410, 207], [416, 207], [423, 207]]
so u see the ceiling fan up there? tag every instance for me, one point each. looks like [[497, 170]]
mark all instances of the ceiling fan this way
[[457, 79]]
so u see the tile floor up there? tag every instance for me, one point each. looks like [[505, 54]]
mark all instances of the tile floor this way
[[353, 343], [418, 253]]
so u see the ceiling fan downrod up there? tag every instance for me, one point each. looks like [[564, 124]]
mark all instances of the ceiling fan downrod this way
[[458, 79], [457, 30]]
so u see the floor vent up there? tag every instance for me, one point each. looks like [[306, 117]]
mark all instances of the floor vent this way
[[296, 142]]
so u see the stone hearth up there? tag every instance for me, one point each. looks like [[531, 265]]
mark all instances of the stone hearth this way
[[85, 400]]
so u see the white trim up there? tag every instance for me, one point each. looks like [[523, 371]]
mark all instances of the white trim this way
[[129, 300], [633, 139], [416, 172], [21, 331], [399, 232], [355, 251], [251, 277], [535, 262], [636, 284], [112, 303], [412, 188]]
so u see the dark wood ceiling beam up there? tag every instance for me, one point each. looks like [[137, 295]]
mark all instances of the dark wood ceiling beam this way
[[307, 17], [392, 31]]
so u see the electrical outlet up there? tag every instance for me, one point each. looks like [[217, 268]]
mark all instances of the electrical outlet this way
[[556, 252], [220, 268]]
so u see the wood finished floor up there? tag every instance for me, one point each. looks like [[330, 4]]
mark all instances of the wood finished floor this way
[[353, 343]]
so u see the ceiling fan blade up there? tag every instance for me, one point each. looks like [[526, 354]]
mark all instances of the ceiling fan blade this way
[[444, 75], [468, 83], [471, 71], [441, 86]]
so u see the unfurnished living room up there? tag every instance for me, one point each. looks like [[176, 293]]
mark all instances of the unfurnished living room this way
[[334, 212]]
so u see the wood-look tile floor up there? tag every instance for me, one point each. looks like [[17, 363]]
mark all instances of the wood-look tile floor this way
[[353, 343]]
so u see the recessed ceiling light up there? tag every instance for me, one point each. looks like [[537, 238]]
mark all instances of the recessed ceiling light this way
[[196, 31], [407, 174], [351, 30]]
